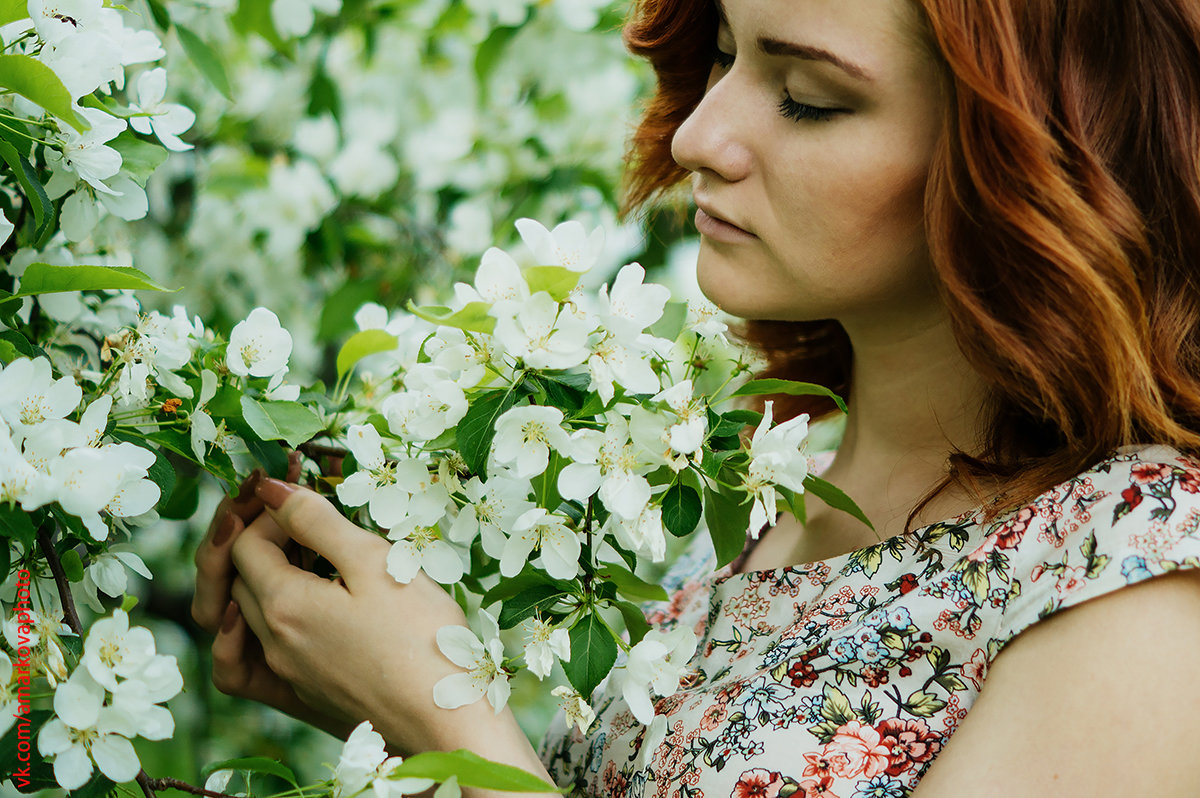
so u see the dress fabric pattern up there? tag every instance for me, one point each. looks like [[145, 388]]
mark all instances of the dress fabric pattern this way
[[844, 678]]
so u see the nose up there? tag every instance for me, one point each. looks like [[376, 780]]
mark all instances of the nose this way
[[713, 139]]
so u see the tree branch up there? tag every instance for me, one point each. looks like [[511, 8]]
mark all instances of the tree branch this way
[[182, 786], [46, 542]]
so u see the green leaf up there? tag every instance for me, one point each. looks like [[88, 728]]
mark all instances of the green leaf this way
[[923, 704], [836, 707], [681, 509], [139, 158], [362, 344], [536, 600], [12, 10], [728, 518], [254, 764], [291, 422], [671, 324], [557, 281], [43, 278], [478, 427], [72, 565], [31, 186], [129, 602], [471, 770], [635, 621], [630, 584], [732, 423], [545, 484], [337, 314], [162, 17], [205, 59], [488, 53], [834, 497], [15, 524], [472, 318], [511, 586], [788, 388], [182, 502], [37, 83], [254, 16], [593, 652]]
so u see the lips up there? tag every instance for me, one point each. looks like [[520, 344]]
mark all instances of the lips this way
[[716, 215]]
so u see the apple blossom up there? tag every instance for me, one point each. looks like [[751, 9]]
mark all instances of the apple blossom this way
[[544, 645], [656, 663], [568, 245], [524, 437], [165, 120], [258, 346], [550, 534], [576, 708], [541, 333], [483, 659]]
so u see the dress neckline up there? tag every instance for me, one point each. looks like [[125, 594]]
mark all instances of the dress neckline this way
[[824, 460]]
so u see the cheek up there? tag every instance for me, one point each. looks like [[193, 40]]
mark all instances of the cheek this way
[[871, 219]]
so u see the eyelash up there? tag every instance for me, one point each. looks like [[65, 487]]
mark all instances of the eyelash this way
[[788, 108]]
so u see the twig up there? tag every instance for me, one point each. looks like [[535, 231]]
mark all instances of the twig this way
[[316, 450], [146, 783], [60, 579], [182, 786]]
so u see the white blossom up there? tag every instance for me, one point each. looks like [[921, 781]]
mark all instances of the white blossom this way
[[524, 437], [363, 768], [656, 663], [419, 546], [541, 332], [549, 533], [575, 707], [568, 245], [483, 659], [544, 645], [258, 346], [164, 120], [777, 457], [85, 153]]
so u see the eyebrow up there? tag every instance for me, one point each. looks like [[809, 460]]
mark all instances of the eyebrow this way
[[803, 51], [810, 53]]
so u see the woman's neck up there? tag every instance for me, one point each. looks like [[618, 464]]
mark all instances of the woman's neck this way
[[914, 400]]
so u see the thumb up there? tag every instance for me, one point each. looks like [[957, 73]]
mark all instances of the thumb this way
[[312, 521]]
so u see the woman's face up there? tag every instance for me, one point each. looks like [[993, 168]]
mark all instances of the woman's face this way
[[809, 155]]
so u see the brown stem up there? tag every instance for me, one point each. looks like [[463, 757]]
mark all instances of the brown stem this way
[[46, 542], [182, 786], [146, 783], [317, 450]]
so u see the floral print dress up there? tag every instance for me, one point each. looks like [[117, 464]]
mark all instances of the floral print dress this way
[[844, 678]]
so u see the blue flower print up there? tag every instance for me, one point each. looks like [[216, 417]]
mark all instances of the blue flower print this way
[[882, 786], [844, 649], [1134, 569], [811, 707], [764, 696]]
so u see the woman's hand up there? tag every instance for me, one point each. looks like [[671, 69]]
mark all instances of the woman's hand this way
[[361, 646], [239, 666]]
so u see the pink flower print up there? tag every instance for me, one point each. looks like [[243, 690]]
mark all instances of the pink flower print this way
[[1145, 473], [1071, 579], [714, 716], [911, 743], [810, 788], [857, 750], [976, 668], [818, 765], [1189, 480], [757, 783]]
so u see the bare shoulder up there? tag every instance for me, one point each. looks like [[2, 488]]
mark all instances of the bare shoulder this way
[[1100, 699]]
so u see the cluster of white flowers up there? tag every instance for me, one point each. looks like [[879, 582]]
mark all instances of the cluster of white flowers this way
[[363, 768], [87, 45], [524, 328], [45, 457], [113, 696]]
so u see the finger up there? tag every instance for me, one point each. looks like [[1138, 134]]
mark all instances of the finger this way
[[238, 664], [316, 524], [214, 573], [293, 469]]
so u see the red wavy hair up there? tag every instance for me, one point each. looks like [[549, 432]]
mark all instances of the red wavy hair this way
[[1062, 212]]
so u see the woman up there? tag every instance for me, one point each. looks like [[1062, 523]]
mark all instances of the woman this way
[[977, 220]]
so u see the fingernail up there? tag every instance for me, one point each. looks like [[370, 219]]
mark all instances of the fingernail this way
[[249, 484], [224, 529], [274, 492], [231, 614]]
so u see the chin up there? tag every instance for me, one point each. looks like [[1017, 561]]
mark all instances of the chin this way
[[737, 290]]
